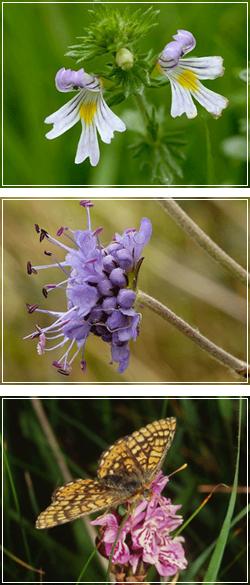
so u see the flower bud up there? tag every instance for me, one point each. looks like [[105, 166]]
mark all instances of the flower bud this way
[[108, 263], [125, 259], [118, 277], [126, 298], [124, 59]]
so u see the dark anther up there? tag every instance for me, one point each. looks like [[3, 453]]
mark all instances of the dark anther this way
[[30, 269], [45, 292], [43, 234], [63, 372], [31, 308], [37, 228], [47, 253]]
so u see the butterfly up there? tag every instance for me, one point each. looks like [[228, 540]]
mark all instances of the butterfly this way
[[125, 471]]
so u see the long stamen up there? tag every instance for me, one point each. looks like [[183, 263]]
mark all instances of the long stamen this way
[[57, 345], [44, 266]]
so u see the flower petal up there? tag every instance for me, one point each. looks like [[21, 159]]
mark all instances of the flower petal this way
[[88, 145], [66, 109], [182, 102], [213, 102], [204, 67], [107, 122]]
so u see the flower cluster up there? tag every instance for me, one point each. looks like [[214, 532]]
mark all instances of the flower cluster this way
[[100, 290], [130, 75], [184, 76], [145, 538]]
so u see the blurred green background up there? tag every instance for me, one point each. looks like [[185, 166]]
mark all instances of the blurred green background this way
[[206, 439], [36, 37], [175, 271]]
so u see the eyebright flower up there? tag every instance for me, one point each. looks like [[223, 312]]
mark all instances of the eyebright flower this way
[[145, 537], [184, 76], [100, 285], [88, 106]]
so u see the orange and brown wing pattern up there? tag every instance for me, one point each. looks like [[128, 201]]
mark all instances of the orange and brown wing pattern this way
[[144, 450], [75, 499]]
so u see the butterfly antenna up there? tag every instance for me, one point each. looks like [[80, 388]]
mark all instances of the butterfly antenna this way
[[181, 468]]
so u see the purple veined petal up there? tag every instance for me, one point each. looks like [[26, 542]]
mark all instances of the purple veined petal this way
[[170, 55], [60, 115], [107, 122], [203, 67]]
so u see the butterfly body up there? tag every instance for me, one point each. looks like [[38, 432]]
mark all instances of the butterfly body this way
[[125, 473]]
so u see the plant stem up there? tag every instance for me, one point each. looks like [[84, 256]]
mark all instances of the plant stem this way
[[197, 234], [222, 356], [210, 160], [140, 102]]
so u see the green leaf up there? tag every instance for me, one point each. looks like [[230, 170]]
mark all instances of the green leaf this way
[[216, 559]]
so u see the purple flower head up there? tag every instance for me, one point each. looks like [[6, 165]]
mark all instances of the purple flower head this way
[[99, 299], [145, 538]]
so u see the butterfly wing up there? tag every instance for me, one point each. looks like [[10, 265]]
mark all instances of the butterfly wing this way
[[142, 452], [75, 499]]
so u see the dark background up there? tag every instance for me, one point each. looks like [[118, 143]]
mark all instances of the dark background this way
[[205, 439]]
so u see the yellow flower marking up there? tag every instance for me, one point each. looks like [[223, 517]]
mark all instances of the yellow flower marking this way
[[188, 79], [87, 112]]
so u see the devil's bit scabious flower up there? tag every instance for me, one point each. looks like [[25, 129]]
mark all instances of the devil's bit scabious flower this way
[[145, 538], [88, 106], [184, 76], [100, 287]]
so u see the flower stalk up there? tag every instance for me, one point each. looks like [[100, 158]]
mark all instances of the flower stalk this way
[[220, 355], [203, 240]]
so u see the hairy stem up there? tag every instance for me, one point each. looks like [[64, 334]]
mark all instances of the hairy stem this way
[[197, 234], [222, 356]]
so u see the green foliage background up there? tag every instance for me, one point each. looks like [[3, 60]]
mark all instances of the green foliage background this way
[[175, 271], [36, 37], [206, 439]]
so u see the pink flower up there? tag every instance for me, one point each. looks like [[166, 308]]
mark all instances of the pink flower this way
[[145, 538], [171, 558]]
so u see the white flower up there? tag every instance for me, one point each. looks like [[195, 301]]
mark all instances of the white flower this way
[[89, 107], [185, 74]]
